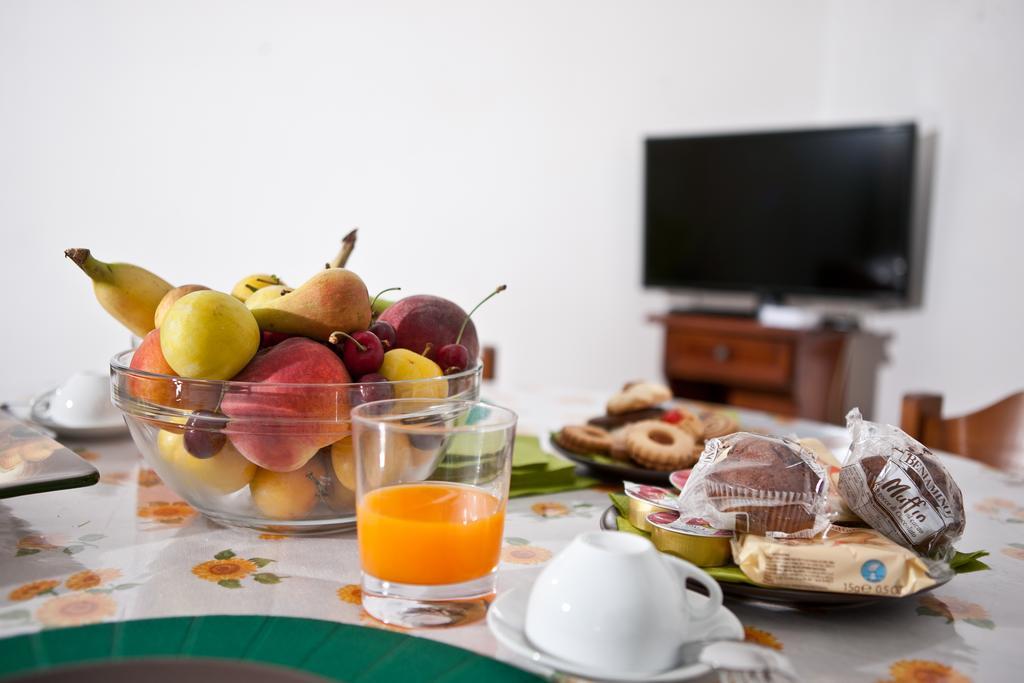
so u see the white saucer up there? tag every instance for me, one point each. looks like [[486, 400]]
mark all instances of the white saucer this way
[[507, 617], [39, 412]]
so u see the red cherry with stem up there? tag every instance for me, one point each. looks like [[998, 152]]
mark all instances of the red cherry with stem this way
[[374, 387], [361, 352], [455, 357], [386, 333]]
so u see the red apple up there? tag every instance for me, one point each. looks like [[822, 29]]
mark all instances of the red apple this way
[[280, 427], [424, 319]]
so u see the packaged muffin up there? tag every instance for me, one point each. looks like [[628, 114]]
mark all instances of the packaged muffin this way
[[759, 485], [900, 488]]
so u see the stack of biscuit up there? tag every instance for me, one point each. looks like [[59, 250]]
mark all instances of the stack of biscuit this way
[[637, 428]]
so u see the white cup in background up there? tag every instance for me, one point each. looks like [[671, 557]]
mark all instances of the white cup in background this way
[[83, 400], [613, 602]]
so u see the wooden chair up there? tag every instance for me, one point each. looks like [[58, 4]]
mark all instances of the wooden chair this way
[[992, 435], [490, 358]]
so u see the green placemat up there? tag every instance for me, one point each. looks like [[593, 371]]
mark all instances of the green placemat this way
[[337, 651], [962, 563], [535, 471]]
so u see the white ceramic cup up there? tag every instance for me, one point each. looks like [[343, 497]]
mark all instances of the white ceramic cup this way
[[613, 602], [83, 401]]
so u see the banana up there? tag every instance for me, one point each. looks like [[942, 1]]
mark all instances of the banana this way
[[129, 293]]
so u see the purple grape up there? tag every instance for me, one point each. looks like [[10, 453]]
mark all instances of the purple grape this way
[[375, 387], [203, 435]]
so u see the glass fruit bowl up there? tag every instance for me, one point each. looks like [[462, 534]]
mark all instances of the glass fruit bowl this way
[[269, 456]]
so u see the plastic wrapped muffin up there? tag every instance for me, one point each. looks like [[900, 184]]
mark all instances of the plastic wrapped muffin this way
[[759, 485], [901, 489]]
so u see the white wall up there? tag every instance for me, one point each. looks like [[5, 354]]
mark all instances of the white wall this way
[[473, 143], [958, 69]]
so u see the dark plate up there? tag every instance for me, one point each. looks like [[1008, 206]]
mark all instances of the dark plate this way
[[616, 471], [788, 597]]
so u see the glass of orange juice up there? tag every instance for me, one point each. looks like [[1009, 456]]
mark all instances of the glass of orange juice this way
[[432, 480]]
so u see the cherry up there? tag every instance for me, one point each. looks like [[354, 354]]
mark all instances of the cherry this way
[[361, 352], [375, 387], [386, 333], [203, 435], [455, 357]]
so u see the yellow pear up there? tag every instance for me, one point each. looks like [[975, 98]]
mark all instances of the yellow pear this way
[[333, 299]]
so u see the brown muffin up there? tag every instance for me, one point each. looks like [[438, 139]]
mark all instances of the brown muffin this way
[[915, 503], [774, 485]]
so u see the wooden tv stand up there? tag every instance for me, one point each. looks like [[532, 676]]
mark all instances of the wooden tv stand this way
[[737, 361]]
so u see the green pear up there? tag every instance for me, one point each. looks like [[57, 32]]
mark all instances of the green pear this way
[[334, 299]]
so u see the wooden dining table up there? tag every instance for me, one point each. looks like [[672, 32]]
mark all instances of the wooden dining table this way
[[129, 548]]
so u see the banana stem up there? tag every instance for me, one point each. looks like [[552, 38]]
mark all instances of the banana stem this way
[[83, 258], [348, 243]]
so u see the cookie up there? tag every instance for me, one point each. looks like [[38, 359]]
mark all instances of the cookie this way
[[585, 439], [718, 423], [611, 422], [620, 449], [661, 446], [637, 396]]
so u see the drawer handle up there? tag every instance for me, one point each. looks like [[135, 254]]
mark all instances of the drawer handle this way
[[721, 353]]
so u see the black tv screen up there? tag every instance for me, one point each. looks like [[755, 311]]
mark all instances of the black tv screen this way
[[822, 212]]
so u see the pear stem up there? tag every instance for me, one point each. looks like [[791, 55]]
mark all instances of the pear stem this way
[[336, 339], [501, 288], [383, 291], [348, 243]]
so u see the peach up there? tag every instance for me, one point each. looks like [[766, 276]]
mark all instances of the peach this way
[[283, 418]]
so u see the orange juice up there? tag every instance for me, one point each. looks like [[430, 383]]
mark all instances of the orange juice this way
[[430, 533]]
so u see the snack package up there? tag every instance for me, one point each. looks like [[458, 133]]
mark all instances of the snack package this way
[[756, 484], [901, 489], [841, 560]]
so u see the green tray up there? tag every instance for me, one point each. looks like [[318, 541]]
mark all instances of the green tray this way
[[334, 651]]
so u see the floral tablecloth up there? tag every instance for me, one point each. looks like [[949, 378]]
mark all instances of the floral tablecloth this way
[[128, 548]]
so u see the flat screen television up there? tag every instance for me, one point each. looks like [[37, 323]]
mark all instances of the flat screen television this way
[[824, 212]]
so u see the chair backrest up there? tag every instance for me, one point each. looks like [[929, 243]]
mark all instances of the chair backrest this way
[[993, 435], [490, 359]]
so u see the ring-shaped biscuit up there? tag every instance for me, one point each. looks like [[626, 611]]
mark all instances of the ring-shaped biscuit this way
[[585, 439], [661, 446]]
